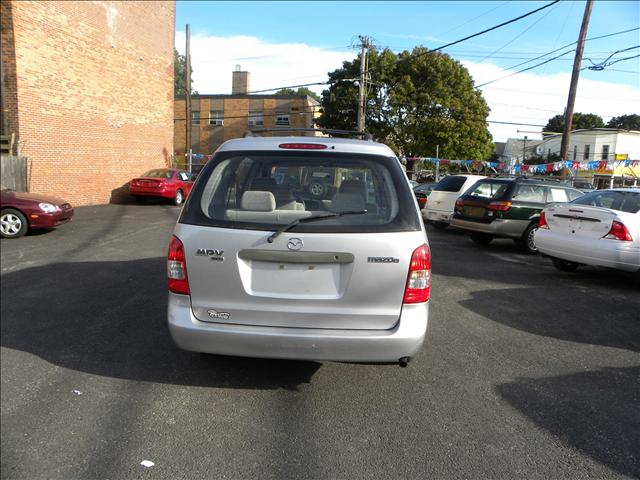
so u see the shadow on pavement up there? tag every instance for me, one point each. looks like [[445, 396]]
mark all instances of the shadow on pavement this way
[[605, 424], [109, 318], [582, 318]]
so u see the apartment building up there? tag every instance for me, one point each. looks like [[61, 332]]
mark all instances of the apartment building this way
[[217, 118]]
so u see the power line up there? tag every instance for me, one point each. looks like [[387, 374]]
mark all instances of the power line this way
[[554, 51], [526, 69], [472, 20]]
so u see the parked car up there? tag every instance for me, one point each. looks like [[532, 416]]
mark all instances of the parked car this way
[[168, 183], [21, 212], [413, 183], [439, 209], [583, 186], [601, 228], [422, 192], [508, 207], [254, 270]]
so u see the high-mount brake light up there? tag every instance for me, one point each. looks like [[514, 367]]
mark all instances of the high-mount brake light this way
[[419, 280], [619, 231], [177, 268], [542, 221], [303, 146]]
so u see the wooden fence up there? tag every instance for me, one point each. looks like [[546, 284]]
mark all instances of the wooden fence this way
[[13, 173]]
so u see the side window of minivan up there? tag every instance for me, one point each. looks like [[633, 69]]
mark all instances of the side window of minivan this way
[[450, 184]]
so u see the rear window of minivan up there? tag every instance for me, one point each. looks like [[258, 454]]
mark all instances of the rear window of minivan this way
[[264, 190], [450, 184]]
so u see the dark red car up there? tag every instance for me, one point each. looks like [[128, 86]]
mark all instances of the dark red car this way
[[167, 183], [20, 212]]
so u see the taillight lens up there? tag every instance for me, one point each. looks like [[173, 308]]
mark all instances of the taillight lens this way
[[177, 268], [542, 221], [499, 206], [419, 281], [422, 202], [303, 146], [459, 203], [619, 231]]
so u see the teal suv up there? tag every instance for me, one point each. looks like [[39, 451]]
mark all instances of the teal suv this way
[[508, 208]]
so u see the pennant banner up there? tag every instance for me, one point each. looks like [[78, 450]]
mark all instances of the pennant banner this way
[[599, 165]]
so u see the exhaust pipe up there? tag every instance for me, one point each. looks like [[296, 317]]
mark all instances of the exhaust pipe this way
[[404, 361]]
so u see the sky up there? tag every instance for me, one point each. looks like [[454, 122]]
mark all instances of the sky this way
[[296, 42]]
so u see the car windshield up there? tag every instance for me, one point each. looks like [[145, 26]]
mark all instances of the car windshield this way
[[615, 200], [158, 173], [266, 190], [487, 190]]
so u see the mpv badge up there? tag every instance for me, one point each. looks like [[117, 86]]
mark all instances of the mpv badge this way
[[220, 315], [295, 244]]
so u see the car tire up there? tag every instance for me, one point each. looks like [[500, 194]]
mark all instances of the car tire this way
[[13, 223], [317, 189], [481, 238], [564, 265], [440, 225], [179, 198], [527, 243]]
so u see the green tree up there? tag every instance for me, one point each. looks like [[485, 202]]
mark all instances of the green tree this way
[[299, 91], [179, 69], [415, 101], [625, 122], [579, 121]]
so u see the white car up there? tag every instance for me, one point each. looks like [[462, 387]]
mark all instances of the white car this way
[[442, 201], [601, 228]]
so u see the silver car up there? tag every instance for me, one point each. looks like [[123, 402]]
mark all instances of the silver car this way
[[262, 265]]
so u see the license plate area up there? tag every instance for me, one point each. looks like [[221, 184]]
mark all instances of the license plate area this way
[[475, 212]]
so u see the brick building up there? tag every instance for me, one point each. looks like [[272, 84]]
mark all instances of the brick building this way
[[217, 118], [88, 92]]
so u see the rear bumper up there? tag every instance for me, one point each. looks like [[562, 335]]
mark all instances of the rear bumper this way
[[589, 251], [151, 192], [404, 340], [499, 227], [436, 215]]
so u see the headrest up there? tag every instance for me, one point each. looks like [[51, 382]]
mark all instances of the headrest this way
[[258, 201]]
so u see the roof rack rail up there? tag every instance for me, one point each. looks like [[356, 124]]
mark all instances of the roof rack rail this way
[[254, 132]]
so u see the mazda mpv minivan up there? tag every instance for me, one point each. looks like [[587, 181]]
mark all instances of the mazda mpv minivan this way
[[261, 265]]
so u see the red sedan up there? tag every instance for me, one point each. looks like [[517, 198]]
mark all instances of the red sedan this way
[[20, 212], [162, 183]]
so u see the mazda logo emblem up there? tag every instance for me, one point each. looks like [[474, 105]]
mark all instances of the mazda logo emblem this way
[[295, 244]]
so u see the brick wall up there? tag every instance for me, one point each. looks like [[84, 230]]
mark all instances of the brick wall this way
[[94, 83]]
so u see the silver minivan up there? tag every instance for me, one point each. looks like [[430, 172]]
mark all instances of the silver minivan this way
[[301, 248]]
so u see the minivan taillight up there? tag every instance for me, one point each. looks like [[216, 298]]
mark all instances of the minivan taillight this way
[[619, 231], [177, 268], [542, 221], [419, 280]]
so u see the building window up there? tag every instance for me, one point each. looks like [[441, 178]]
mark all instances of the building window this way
[[256, 118], [216, 118], [605, 152], [195, 117], [282, 119], [575, 152], [587, 150]]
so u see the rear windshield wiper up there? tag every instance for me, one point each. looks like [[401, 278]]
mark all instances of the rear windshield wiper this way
[[289, 226]]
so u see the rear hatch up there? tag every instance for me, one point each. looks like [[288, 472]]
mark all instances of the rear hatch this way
[[346, 272], [484, 201], [444, 195]]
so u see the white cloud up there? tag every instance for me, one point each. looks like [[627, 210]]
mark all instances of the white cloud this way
[[528, 97], [534, 98], [270, 65]]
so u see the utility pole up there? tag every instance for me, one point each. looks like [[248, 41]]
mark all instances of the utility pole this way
[[187, 103], [364, 44], [524, 150], [568, 115], [437, 163]]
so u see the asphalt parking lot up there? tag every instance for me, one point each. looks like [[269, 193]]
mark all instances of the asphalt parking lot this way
[[527, 372]]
